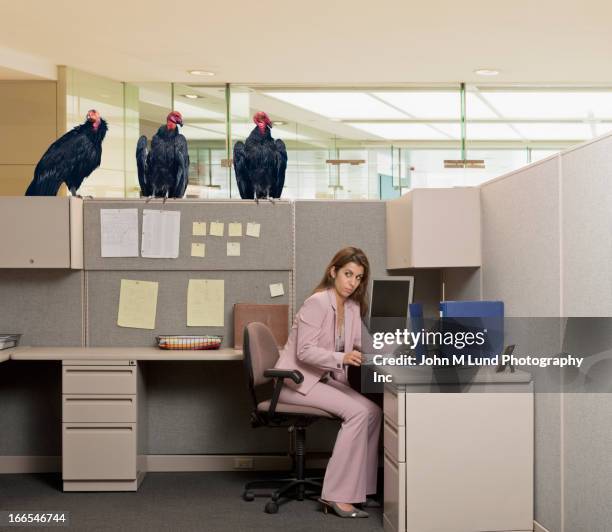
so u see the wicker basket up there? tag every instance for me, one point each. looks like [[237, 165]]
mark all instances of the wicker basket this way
[[189, 342]]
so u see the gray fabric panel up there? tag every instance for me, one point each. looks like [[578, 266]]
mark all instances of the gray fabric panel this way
[[43, 305], [547, 467], [461, 284], [324, 227], [204, 408], [103, 290], [30, 408], [587, 426], [520, 241], [587, 221], [271, 251]]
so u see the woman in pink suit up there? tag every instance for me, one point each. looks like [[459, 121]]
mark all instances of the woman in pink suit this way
[[326, 338]]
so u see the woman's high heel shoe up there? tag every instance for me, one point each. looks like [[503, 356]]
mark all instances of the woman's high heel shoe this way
[[327, 505]]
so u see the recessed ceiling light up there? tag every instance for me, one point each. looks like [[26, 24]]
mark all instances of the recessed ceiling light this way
[[191, 96], [279, 123], [201, 73], [486, 72]]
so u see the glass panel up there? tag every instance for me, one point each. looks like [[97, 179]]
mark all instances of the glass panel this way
[[204, 109]]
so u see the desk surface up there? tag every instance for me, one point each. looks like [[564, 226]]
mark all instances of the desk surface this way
[[119, 353], [4, 355]]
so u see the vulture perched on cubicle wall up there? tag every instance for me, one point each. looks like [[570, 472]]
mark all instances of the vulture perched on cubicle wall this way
[[70, 159], [163, 171], [260, 162]]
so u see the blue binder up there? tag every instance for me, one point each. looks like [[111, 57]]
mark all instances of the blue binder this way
[[474, 316]]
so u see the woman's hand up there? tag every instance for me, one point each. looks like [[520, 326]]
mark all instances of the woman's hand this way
[[352, 359]]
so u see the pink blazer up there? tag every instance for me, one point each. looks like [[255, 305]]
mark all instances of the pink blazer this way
[[310, 347]]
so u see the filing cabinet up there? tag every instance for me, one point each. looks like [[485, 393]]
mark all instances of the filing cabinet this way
[[459, 461], [99, 426]]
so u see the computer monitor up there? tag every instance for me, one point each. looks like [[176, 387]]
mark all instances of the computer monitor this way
[[390, 298]]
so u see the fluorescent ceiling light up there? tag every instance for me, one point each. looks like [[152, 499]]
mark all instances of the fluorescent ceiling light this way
[[343, 105], [551, 104], [552, 131], [486, 72], [201, 73], [475, 131], [401, 131], [191, 96]]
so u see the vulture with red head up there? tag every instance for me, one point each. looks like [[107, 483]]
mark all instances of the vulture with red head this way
[[260, 162], [70, 159], [163, 171]]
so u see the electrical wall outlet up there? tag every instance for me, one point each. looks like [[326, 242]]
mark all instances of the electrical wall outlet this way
[[243, 463]]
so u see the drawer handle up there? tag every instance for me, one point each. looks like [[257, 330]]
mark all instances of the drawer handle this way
[[100, 400], [94, 429], [101, 371]]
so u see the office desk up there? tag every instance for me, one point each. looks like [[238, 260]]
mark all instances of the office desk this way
[[458, 461], [103, 397]]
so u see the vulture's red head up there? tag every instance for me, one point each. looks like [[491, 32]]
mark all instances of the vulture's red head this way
[[94, 117], [262, 120], [174, 119]]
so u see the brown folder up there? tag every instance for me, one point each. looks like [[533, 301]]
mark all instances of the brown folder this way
[[276, 317]]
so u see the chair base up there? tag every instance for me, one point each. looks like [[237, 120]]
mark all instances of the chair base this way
[[286, 488]]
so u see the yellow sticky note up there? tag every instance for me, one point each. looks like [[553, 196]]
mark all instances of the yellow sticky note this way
[[199, 228], [233, 249], [235, 229], [205, 303], [217, 228], [253, 229], [277, 290], [198, 250], [137, 304]]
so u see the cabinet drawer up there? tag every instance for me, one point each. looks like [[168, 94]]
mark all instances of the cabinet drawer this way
[[99, 379], [394, 510], [99, 408], [99, 451], [394, 441], [394, 406]]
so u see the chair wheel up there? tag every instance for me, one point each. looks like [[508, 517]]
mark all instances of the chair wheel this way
[[271, 507], [248, 496]]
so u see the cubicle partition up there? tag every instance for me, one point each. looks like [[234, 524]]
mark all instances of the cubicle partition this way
[[547, 254]]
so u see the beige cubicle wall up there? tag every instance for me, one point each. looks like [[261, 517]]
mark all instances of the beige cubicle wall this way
[[546, 253], [28, 124]]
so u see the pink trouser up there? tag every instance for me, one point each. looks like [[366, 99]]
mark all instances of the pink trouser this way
[[351, 471]]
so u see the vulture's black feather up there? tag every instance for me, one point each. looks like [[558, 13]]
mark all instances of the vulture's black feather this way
[[260, 162], [164, 170], [70, 159]]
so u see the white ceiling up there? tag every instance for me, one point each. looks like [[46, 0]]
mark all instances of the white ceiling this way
[[316, 42]]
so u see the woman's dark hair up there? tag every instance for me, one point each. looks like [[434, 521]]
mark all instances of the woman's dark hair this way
[[341, 258]]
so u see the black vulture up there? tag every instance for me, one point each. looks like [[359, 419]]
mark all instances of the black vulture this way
[[163, 171], [260, 162], [70, 159]]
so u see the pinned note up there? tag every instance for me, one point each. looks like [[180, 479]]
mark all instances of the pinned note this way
[[198, 250], [253, 229], [277, 290], [205, 302], [160, 234], [199, 228], [235, 229], [119, 232], [216, 228], [137, 304], [233, 249]]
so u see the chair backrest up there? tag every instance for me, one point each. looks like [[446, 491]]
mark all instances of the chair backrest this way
[[260, 352]]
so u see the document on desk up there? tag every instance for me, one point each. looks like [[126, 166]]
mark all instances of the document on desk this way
[[119, 232], [205, 303], [160, 234], [137, 304]]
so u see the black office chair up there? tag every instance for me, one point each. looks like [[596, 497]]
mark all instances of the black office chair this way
[[260, 355]]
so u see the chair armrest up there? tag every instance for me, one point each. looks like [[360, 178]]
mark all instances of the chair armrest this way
[[280, 375], [293, 374]]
